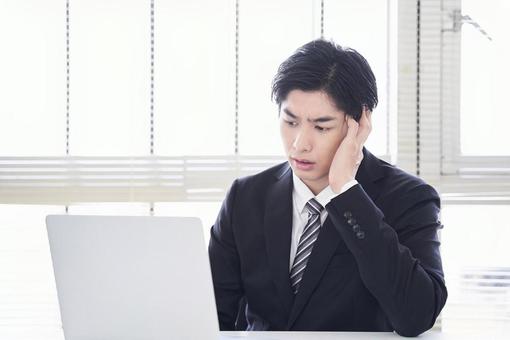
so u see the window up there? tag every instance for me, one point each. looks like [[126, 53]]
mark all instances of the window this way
[[194, 78], [484, 74], [33, 82], [474, 70], [161, 93]]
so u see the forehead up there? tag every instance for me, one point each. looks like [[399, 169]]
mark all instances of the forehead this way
[[311, 104]]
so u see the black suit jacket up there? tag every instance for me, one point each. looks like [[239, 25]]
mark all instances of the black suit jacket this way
[[386, 276]]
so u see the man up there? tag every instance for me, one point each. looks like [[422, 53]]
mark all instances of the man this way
[[335, 239]]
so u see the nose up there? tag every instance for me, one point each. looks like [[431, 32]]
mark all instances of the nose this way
[[302, 142]]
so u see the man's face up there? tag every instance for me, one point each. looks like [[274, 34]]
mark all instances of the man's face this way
[[312, 128]]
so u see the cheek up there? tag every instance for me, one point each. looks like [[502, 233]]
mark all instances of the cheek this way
[[330, 145], [286, 136]]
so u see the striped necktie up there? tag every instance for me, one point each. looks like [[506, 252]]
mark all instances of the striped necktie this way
[[306, 241]]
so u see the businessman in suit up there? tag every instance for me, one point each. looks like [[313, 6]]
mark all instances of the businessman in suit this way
[[334, 239]]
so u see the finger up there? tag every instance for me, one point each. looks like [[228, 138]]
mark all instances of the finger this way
[[344, 127], [365, 126], [352, 128]]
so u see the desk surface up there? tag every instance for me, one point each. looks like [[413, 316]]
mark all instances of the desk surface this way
[[44, 333], [430, 335]]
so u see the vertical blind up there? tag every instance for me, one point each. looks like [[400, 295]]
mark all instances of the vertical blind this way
[[159, 101]]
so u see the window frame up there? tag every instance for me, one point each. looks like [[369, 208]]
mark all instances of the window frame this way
[[429, 103], [454, 162]]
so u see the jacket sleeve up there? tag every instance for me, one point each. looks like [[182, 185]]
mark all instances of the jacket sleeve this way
[[225, 266], [399, 264]]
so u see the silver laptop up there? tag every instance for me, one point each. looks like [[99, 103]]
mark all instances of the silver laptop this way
[[132, 278]]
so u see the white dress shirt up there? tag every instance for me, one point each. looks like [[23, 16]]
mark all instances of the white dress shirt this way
[[302, 194]]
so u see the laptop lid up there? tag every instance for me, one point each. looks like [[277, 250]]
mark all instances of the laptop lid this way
[[132, 277]]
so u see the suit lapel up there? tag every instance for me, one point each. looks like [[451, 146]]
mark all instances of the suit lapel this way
[[277, 232], [326, 245]]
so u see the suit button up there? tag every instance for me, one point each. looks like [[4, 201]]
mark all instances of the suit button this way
[[356, 228], [351, 221], [347, 214], [360, 235]]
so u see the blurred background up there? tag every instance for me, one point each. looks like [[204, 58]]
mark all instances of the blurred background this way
[[153, 107]]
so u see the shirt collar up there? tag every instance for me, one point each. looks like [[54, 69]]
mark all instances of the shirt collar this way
[[302, 194]]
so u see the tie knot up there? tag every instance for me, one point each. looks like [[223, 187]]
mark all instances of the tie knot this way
[[314, 207]]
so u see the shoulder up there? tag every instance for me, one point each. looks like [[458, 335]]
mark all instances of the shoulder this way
[[264, 178], [398, 183], [403, 194], [387, 181], [258, 184]]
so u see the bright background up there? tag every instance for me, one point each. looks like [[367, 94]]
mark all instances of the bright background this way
[[207, 86]]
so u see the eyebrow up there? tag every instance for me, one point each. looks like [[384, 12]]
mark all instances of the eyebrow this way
[[317, 120]]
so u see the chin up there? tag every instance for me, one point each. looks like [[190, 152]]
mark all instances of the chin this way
[[306, 175]]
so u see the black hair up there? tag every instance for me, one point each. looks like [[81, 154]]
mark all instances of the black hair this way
[[322, 65]]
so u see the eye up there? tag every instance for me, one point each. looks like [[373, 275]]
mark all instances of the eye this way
[[290, 123], [322, 129]]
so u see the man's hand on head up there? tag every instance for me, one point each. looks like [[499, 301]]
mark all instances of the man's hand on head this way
[[349, 155]]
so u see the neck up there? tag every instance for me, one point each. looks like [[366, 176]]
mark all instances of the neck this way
[[316, 186]]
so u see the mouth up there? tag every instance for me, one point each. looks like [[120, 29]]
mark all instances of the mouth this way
[[305, 161], [303, 164]]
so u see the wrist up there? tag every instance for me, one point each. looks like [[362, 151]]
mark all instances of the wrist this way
[[342, 186]]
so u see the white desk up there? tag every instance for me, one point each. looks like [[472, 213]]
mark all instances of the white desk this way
[[44, 333], [430, 335]]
